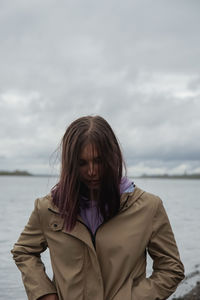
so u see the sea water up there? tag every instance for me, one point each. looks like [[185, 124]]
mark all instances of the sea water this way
[[181, 199]]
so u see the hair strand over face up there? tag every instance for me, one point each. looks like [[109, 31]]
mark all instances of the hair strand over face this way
[[66, 194]]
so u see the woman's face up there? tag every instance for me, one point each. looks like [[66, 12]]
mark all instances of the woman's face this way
[[90, 166]]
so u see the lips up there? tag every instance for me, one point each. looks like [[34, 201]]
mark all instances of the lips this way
[[93, 182]]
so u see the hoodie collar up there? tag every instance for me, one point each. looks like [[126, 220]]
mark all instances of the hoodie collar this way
[[126, 199], [126, 185]]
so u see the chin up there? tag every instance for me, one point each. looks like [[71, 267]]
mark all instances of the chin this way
[[94, 186]]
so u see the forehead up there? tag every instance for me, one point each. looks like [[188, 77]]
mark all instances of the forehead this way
[[88, 151]]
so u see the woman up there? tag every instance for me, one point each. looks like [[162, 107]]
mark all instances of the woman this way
[[98, 227]]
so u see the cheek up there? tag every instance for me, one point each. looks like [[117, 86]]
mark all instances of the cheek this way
[[81, 172], [100, 171]]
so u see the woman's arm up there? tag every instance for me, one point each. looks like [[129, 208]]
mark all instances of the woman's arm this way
[[168, 270], [26, 253]]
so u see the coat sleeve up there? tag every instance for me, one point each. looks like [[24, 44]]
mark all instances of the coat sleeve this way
[[168, 269], [26, 253]]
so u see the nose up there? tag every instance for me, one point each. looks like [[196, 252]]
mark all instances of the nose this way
[[91, 169]]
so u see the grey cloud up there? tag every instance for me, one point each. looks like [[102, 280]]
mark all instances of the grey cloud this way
[[109, 58]]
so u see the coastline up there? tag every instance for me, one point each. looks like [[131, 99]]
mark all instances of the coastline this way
[[144, 176], [194, 294], [189, 288], [25, 174]]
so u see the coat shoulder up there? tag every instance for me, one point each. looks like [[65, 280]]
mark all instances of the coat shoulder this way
[[46, 209], [145, 198], [44, 205], [151, 198], [43, 202]]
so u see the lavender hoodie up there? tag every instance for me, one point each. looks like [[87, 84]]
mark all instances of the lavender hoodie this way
[[91, 215]]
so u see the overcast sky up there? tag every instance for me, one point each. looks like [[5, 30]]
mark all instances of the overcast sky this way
[[136, 63]]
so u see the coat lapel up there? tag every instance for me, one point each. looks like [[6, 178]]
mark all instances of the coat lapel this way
[[80, 231]]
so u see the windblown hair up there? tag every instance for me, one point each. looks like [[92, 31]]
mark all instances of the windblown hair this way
[[66, 194]]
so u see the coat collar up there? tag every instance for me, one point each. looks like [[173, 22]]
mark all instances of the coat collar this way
[[80, 231], [126, 200]]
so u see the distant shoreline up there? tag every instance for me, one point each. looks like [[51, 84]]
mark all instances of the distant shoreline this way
[[167, 176], [144, 176], [24, 173]]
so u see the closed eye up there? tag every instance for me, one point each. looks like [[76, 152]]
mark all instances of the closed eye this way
[[82, 162], [98, 160]]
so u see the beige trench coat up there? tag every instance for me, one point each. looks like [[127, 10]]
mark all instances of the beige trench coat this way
[[109, 266]]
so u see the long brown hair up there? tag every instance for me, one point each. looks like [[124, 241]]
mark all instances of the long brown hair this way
[[66, 194]]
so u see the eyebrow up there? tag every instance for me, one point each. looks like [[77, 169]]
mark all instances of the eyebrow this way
[[95, 157]]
